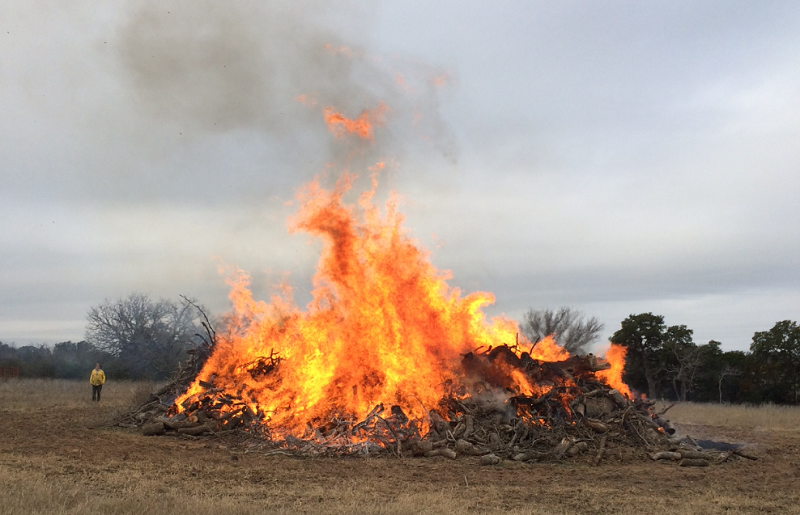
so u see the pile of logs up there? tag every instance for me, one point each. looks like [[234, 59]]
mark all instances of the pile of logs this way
[[688, 455], [577, 417]]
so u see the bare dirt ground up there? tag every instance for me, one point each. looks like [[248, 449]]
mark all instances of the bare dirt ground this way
[[56, 458]]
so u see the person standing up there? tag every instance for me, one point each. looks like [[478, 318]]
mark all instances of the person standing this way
[[97, 379]]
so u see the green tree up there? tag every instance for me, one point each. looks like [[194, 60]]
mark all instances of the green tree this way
[[8, 356], [720, 375], [708, 374], [776, 355], [643, 335], [36, 361], [75, 360]]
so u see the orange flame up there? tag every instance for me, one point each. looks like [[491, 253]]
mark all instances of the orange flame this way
[[361, 126], [383, 325], [548, 350], [615, 356]]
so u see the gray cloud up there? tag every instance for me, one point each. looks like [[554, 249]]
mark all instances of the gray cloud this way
[[618, 157]]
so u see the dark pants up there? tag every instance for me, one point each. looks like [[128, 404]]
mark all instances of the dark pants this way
[[96, 392]]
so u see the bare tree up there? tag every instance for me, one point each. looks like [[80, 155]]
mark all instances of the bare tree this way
[[148, 337], [570, 329]]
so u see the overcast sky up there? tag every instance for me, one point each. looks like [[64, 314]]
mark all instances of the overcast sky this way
[[615, 157]]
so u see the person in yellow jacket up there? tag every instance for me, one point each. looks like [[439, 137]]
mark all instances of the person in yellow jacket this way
[[97, 379]]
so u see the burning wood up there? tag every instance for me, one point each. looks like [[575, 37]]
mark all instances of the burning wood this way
[[389, 359], [571, 414], [476, 417]]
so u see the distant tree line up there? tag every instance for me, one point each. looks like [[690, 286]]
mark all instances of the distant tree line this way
[[140, 338], [132, 338], [665, 362], [65, 360]]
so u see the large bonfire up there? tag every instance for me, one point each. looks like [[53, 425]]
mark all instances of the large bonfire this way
[[387, 357], [383, 327]]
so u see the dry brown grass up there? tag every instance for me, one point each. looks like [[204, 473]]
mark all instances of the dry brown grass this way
[[763, 417], [51, 463], [19, 394], [139, 492]]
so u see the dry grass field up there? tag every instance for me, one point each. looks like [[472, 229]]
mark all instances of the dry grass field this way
[[57, 458], [766, 417]]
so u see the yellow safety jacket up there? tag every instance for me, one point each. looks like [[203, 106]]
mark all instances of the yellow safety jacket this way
[[97, 378]]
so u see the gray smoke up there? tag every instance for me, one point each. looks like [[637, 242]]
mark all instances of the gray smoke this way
[[223, 66]]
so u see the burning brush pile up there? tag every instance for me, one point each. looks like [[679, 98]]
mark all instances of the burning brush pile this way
[[388, 358], [571, 412]]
